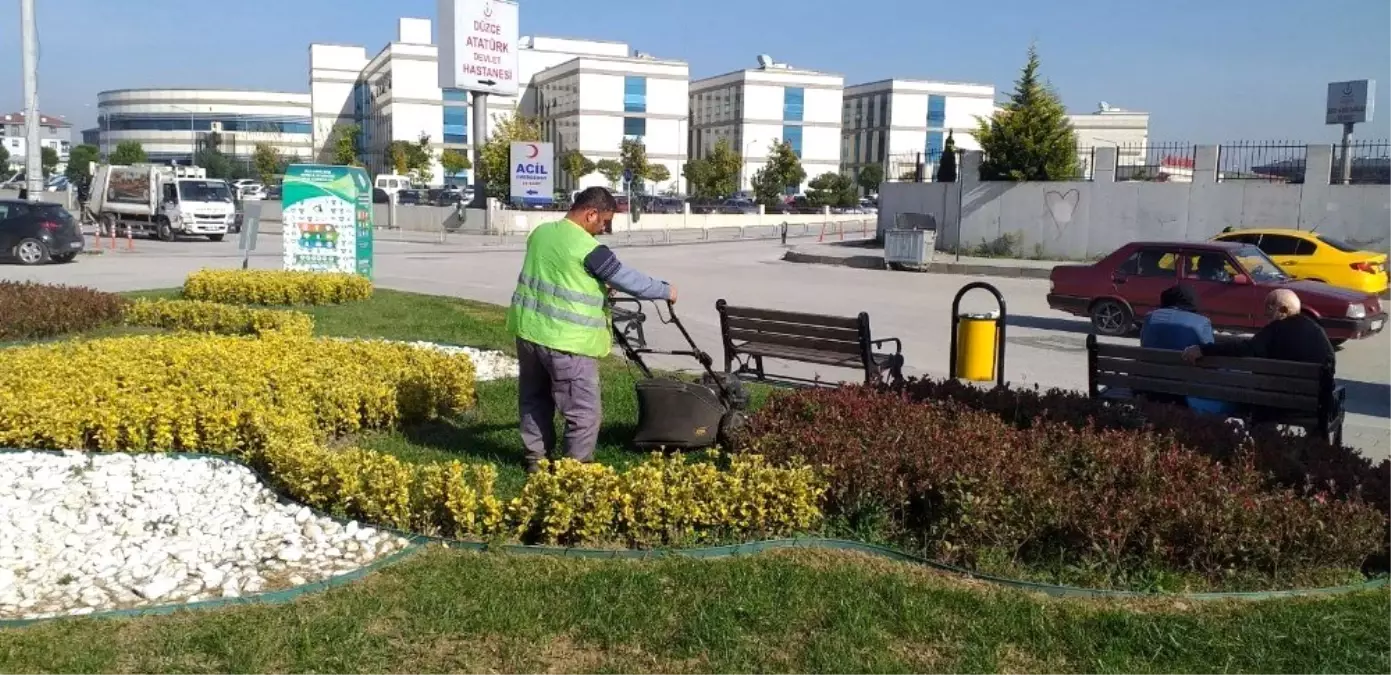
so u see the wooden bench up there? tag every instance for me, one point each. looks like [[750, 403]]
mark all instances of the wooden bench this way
[[751, 335], [1283, 392]]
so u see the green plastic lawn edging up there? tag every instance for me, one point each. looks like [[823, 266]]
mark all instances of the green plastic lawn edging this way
[[419, 541]]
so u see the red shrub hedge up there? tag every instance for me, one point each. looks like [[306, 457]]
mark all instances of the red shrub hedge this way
[[965, 484], [29, 310], [1290, 460]]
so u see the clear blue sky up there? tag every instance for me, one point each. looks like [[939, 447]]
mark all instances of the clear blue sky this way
[[1207, 70]]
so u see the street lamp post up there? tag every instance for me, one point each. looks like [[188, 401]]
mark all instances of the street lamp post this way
[[192, 134], [743, 166]]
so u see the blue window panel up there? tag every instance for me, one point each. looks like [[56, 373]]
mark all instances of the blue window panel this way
[[455, 95], [455, 125], [457, 116], [461, 139], [793, 100], [792, 135], [634, 94], [936, 111], [935, 142], [634, 126]]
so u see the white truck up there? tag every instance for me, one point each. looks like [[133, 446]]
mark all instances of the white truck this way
[[163, 201]]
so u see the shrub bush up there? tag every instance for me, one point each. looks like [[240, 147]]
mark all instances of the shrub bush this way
[[1290, 460], [967, 487], [218, 393], [275, 287], [31, 311], [212, 317]]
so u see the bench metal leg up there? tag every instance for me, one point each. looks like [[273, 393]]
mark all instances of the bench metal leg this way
[[758, 361]]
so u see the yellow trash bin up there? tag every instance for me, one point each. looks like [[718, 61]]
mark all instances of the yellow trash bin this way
[[976, 346]]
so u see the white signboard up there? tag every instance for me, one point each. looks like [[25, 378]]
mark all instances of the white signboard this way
[[478, 46], [1350, 102], [533, 172]]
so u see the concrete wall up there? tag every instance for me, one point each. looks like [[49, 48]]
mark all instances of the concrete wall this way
[[440, 218], [1083, 220]]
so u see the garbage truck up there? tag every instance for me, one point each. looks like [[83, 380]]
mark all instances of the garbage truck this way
[[161, 201]]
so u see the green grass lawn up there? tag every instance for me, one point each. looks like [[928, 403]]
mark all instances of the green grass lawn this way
[[780, 612], [776, 612]]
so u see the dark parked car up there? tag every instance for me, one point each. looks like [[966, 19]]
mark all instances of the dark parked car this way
[[34, 233], [655, 204], [380, 196], [1231, 281], [410, 197], [273, 192]]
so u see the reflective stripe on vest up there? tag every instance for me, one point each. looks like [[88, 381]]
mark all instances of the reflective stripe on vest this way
[[557, 313], [551, 289]]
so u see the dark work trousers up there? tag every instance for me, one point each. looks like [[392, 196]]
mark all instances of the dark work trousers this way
[[551, 380]]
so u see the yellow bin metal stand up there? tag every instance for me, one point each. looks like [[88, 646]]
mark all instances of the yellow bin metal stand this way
[[978, 340]]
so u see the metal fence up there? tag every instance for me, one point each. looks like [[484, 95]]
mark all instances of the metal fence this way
[[1170, 161], [1370, 163], [1270, 161]]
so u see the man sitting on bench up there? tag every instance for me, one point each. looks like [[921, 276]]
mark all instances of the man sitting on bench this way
[[1177, 325]]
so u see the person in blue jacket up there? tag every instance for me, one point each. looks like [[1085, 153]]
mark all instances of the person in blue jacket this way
[[1176, 326]]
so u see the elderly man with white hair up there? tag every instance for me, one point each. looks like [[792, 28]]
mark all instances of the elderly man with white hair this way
[[1290, 336]]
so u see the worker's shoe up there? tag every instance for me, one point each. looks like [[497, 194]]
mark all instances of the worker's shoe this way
[[532, 467]]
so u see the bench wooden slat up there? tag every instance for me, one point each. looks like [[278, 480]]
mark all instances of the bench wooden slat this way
[[807, 343], [1188, 373], [1293, 369], [783, 328], [792, 317], [808, 355], [1212, 391]]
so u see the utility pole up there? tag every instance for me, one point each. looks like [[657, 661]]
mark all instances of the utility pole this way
[[1347, 154], [480, 138], [33, 154]]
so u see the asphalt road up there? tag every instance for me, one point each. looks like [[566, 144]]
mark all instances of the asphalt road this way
[[1043, 347]]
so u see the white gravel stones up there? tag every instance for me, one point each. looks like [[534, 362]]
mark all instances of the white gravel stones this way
[[82, 533], [487, 364]]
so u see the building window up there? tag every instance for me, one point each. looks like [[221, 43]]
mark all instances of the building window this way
[[935, 142], [793, 99], [936, 111], [857, 159], [455, 95], [455, 125], [634, 127], [883, 110], [634, 94], [792, 135]]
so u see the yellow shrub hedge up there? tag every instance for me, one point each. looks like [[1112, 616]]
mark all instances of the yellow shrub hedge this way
[[275, 287], [218, 393], [276, 400], [664, 500], [211, 317]]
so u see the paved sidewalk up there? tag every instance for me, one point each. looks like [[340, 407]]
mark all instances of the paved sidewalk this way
[[855, 254]]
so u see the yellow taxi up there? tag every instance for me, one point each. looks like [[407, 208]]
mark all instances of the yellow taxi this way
[[1317, 257]]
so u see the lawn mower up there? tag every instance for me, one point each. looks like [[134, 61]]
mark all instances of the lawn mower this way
[[673, 413]]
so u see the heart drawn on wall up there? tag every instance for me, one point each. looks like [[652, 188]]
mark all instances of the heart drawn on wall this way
[[1061, 206]]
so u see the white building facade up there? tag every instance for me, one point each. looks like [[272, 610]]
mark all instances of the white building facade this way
[[752, 109], [172, 125], [1111, 127], [898, 123], [54, 133], [395, 96], [593, 103]]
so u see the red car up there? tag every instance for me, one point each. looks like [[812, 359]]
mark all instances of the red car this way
[[1231, 282]]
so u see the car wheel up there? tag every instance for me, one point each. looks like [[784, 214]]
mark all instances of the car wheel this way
[[31, 251], [164, 230], [215, 237], [1112, 318]]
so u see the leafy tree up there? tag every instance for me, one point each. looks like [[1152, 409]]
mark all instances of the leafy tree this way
[[4, 158], [454, 162], [128, 152], [832, 189], [495, 155], [48, 160], [217, 164], [946, 166], [268, 162], [345, 144], [576, 165], [612, 170], [658, 173], [783, 170], [633, 155], [396, 150], [1031, 138], [716, 175], [420, 158], [870, 177], [697, 174], [79, 161]]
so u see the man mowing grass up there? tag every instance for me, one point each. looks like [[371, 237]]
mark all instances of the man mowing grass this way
[[559, 316]]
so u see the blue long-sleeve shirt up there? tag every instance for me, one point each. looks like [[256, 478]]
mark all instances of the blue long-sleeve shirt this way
[[1178, 329], [605, 266]]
